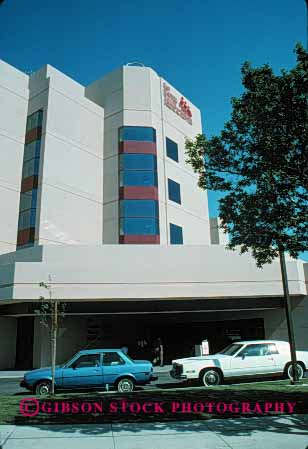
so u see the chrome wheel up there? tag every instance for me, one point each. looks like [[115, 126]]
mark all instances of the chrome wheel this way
[[126, 385], [43, 388], [299, 371], [210, 378]]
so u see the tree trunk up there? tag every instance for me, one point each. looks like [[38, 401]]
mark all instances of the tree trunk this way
[[288, 310]]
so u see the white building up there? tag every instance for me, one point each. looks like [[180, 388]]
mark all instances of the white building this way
[[95, 191]]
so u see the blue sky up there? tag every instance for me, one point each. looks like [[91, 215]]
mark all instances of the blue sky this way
[[197, 45]]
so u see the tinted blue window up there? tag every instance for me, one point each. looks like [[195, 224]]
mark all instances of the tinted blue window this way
[[172, 150], [27, 219], [138, 178], [139, 226], [139, 133], [174, 191], [138, 162], [176, 234], [32, 150], [28, 200], [31, 168], [35, 120], [139, 208]]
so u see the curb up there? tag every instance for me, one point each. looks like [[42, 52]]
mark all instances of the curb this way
[[11, 377], [4, 441]]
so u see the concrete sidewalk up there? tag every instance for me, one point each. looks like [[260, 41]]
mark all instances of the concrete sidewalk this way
[[288, 432]]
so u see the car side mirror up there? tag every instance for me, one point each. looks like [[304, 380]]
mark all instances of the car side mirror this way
[[244, 355]]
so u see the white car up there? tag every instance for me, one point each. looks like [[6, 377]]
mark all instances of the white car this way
[[258, 358]]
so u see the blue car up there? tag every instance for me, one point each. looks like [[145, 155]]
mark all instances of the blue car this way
[[93, 368]]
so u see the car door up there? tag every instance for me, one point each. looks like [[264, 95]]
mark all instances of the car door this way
[[253, 359], [84, 372], [113, 366]]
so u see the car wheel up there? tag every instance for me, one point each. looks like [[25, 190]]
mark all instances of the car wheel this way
[[299, 369], [43, 388], [210, 378], [125, 385]]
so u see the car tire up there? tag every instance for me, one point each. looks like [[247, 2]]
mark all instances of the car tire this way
[[210, 377], [43, 388], [299, 368], [125, 385]]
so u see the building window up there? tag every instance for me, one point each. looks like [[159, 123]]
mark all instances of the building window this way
[[31, 168], [34, 120], [174, 191], [27, 219], [32, 150], [176, 234], [138, 178], [139, 226], [28, 200], [137, 133], [28, 196], [139, 208], [138, 169], [172, 149], [130, 161]]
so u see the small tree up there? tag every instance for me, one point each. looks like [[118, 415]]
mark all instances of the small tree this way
[[51, 312], [260, 163]]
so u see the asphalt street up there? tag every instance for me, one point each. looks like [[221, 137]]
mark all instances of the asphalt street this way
[[11, 386]]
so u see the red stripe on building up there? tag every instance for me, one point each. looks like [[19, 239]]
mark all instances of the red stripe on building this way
[[33, 134], [29, 183], [138, 193], [139, 239], [134, 146], [25, 236]]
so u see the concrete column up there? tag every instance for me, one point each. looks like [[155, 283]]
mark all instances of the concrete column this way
[[8, 332]]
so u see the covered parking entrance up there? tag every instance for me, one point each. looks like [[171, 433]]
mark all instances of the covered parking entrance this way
[[180, 323]]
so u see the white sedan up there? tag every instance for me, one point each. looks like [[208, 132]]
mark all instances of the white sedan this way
[[242, 359]]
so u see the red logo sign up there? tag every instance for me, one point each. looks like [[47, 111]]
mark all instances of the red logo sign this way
[[181, 108]]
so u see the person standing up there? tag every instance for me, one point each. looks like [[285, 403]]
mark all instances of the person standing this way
[[158, 353]]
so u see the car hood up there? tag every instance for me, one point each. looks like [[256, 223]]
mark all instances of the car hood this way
[[201, 358], [40, 372]]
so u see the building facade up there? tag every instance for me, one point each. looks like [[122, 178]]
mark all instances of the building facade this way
[[96, 195]]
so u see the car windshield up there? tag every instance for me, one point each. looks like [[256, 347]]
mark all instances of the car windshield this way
[[67, 362], [231, 349]]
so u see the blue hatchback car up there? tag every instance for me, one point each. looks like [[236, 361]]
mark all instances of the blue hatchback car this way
[[93, 368]]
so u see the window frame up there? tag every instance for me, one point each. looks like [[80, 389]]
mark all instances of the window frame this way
[[169, 152], [113, 352], [178, 197], [173, 226]]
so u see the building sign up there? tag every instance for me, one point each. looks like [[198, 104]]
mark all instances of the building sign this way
[[181, 107]]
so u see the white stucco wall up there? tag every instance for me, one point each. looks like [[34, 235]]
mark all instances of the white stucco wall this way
[[154, 271], [133, 96], [13, 115], [71, 169]]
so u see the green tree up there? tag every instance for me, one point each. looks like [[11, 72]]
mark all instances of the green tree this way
[[259, 161], [51, 311]]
